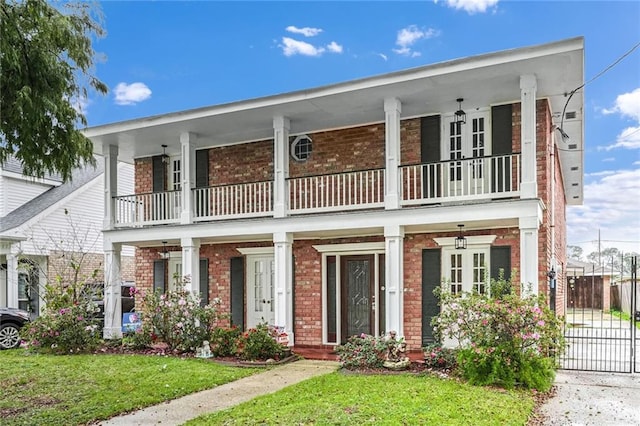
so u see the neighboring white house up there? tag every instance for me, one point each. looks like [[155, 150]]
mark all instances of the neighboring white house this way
[[43, 219]]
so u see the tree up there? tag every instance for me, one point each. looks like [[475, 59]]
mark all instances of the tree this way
[[574, 252], [46, 65]]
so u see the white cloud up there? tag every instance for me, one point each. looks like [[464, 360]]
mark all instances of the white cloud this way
[[292, 47], [131, 94], [80, 104], [608, 159], [611, 205], [629, 138], [627, 104], [383, 56], [334, 47], [306, 31], [471, 6], [408, 36]]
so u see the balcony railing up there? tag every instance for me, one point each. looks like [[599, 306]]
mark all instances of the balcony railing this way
[[233, 201], [421, 184], [335, 192], [153, 208], [465, 179]]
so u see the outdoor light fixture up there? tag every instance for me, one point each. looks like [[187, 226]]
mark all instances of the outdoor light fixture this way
[[164, 254], [461, 241], [460, 116], [165, 157]]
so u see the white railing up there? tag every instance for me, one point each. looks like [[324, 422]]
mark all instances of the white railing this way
[[343, 191], [476, 178], [233, 201], [148, 209]]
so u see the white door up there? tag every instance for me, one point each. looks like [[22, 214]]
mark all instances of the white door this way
[[175, 270], [470, 142], [466, 270], [260, 291]]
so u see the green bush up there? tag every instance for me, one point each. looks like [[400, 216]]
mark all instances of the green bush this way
[[437, 356], [506, 340], [224, 341], [363, 351], [259, 343], [176, 319], [68, 324]]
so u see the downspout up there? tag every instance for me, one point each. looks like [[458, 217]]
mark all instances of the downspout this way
[[554, 267]]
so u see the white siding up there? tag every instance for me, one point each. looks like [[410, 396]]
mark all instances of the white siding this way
[[16, 192], [81, 227]]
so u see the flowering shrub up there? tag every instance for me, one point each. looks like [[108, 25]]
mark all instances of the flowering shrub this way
[[259, 343], [224, 341], [436, 356], [68, 324], [506, 341], [175, 318], [363, 351]]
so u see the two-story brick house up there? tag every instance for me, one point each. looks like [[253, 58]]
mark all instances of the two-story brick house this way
[[336, 210]]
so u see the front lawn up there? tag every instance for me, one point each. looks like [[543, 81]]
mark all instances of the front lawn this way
[[77, 389], [380, 399]]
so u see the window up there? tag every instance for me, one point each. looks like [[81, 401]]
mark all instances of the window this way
[[176, 174], [301, 148], [468, 269]]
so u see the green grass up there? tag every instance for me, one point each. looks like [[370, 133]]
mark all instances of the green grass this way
[[379, 399], [77, 389], [623, 316]]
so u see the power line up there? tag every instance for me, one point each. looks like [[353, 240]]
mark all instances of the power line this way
[[616, 62]]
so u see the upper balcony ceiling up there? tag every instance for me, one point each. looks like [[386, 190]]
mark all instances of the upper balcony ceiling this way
[[481, 80]]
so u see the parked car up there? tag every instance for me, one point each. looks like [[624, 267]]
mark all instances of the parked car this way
[[96, 290], [11, 321]]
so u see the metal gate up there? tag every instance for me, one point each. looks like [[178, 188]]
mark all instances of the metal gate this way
[[602, 335]]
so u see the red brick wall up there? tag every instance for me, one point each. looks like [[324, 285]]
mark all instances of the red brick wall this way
[[91, 267], [345, 150], [410, 146], [143, 175], [247, 162]]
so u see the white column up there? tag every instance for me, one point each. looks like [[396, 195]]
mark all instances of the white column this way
[[191, 263], [188, 175], [283, 260], [281, 128], [112, 278], [392, 109], [394, 279], [12, 280], [529, 255], [528, 86], [110, 154]]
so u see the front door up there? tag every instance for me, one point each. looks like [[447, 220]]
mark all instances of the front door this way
[[358, 295], [260, 291], [175, 271]]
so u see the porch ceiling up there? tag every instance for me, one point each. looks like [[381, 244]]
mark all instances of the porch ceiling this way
[[481, 80]]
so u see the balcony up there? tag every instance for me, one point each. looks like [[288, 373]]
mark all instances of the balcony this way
[[420, 184]]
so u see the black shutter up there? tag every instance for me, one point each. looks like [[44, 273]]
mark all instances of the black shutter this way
[[202, 181], [237, 292], [430, 153], [431, 270], [159, 274], [501, 126], [158, 174], [501, 259], [501, 122], [202, 168], [430, 139], [204, 282]]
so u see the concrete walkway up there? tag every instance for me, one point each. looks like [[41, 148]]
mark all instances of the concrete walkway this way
[[180, 410], [587, 398]]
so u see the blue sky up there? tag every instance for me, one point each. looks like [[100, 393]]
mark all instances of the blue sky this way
[[162, 57]]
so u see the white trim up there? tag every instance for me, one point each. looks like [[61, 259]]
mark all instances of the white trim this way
[[362, 248], [253, 251], [471, 240]]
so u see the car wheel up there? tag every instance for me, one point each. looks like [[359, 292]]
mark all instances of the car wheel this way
[[9, 337]]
